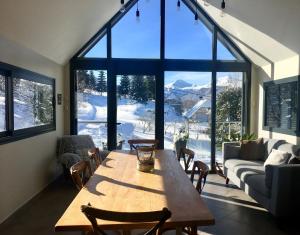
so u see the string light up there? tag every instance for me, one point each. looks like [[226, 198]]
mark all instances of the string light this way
[[137, 13], [122, 6], [223, 6]]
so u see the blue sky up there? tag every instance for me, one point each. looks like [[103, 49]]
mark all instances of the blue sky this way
[[185, 39]]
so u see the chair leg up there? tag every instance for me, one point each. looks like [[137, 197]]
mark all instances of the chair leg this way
[[227, 180]]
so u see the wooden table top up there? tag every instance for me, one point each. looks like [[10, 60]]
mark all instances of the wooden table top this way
[[117, 185]]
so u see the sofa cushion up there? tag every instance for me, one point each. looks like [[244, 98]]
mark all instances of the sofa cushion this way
[[252, 149], [271, 144], [257, 183], [243, 169], [236, 165]]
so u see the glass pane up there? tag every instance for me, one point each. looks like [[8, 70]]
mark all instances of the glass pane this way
[[289, 104], [188, 112], [228, 109], [225, 51], [136, 108], [186, 39], [33, 103], [99, 50], [92, 105], [138, 39], [281, 105], [2, 103]]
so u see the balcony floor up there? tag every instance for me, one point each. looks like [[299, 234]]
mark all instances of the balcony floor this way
[[235, 212]]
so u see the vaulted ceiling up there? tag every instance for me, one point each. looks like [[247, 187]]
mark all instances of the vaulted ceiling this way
[[266, 30]]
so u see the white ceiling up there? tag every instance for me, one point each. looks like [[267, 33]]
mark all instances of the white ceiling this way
[[266, 30], [55, 29]]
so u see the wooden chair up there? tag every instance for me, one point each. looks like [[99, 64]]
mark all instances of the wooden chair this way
[[78, 173], [94, 154], [187, 155], [134, 142], [93, 213], [202, 170]]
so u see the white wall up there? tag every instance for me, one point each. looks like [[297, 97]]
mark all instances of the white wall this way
[[27, 166]]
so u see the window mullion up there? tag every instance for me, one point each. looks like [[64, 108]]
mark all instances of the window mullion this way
[[10, 105]]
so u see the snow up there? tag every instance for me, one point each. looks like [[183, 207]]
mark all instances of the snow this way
[[137, 120], [178, 84]]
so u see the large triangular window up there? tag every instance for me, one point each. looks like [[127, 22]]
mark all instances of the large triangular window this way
[[97, 47], [186, 38], [138, 37], [226, 51]]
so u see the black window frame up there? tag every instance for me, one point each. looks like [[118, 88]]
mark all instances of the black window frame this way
[[158, 67], [265, 127], [12, 72]]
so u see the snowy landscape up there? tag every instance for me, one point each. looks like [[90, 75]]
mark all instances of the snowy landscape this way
[[32, 104], [187, 106]]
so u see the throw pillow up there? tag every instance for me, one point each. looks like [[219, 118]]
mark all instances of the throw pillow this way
[[277, 157], [252, 149]]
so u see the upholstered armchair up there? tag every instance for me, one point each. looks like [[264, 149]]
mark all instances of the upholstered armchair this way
[[73, 148]]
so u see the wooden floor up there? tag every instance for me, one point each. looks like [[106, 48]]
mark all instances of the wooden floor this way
[[234, 211]]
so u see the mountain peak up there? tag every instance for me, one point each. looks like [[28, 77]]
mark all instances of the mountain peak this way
[[178, 84]]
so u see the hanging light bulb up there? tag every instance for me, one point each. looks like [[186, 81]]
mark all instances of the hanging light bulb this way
[[223, 6], [196, 15], [137, 13], [122, 6]]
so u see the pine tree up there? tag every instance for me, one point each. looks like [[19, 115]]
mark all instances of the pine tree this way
[[124, 87], [92, 80], [82, 80], [101, 82], [150, 81], [138, 89]]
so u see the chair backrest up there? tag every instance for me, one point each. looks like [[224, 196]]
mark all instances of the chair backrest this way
[[136, 217], [187, 155], [202, 170], [79, 173], [94, 154], [135, 142], [74, 143]]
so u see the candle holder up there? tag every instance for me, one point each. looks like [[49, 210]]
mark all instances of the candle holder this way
[[145, 157]]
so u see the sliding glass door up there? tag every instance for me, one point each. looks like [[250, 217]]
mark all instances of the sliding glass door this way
[[135, 108]]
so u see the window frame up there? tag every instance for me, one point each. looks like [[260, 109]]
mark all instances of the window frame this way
[[158, 67], [279, 129], [12, 72]]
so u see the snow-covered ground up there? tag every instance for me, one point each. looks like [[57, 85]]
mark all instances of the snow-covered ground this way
[[138, 121]]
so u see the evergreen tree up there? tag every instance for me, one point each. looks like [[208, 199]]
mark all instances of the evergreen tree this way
[[82, 80], [150, 81], [92, 80], [138, 89], [124, 87], [101, 82]]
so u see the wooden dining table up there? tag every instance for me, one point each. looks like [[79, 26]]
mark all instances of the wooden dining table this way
[[117, 185]]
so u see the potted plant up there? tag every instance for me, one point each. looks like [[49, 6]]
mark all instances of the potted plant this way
[[180, 140]]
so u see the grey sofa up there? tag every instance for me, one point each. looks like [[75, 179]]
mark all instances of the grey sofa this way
[[277, 188]]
